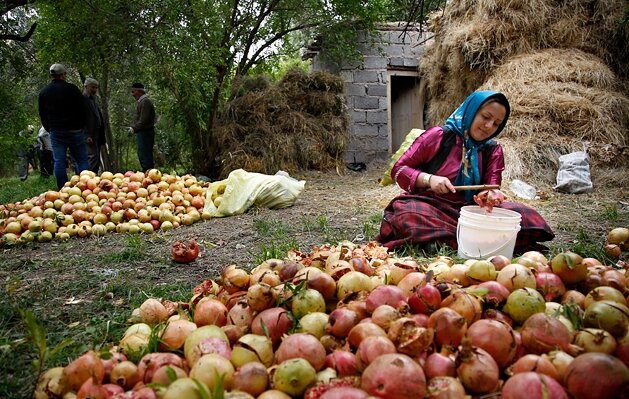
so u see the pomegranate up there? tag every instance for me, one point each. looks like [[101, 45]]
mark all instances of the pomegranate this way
[[307, 301], [125, 374], [408, 337], [384, 315], [294, 376], [345, 363], [465, 304], [251, 378], [449, 327], [610, 316], [208, 369], [78, 371], [495, 337], [445, 387], [273, 322], [550, 285], [384, 295], [496, 294], [372, 347], [394, 376], [148, 365], [522, 303], [534, 363], [477, 370], [185, 253], [531, 385], [569, 267], [260, 296], [301, 345], [425, 299], [542, 333], [596, 375], [440, 364], [345, 393], [341, 321], [210, 311]]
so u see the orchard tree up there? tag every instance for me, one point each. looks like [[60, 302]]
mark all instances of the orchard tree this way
[[195, 49]]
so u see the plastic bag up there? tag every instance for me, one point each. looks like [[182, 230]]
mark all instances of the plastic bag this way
[[242, 189], [408, 141], [523, 190], [573, 176]]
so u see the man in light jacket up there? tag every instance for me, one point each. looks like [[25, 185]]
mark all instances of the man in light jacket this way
[[94, 127], [143, 126]]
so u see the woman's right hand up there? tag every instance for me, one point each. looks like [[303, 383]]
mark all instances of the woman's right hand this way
[[441, 185]]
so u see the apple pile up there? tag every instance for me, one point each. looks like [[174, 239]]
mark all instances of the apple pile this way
[[91, 205], [354, 321]]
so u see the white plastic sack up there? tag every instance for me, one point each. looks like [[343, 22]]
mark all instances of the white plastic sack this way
[[243, 189], [523, 190], [573, 176]]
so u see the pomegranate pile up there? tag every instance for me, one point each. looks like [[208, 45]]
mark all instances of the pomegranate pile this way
[[353, 321], [91, 205]]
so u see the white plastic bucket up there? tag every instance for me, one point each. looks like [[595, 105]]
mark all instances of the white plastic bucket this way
[[481, 234]]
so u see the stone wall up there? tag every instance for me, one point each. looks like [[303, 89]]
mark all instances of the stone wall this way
[[366, 87]]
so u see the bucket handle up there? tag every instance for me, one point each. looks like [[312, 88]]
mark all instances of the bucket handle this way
[[500, 248]]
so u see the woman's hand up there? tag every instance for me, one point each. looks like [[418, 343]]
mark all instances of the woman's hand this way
[[441, 185], [489, 198]]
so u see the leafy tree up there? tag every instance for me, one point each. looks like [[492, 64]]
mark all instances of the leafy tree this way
[[17, 57], [196, 48], [93, 38]]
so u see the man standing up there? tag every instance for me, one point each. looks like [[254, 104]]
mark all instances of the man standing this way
[[25, 151], [94, 127], [44, 152], [62, 112], [143, 126]]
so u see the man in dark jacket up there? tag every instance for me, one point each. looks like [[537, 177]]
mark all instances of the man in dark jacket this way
[[143, 126], [62, 112], [94, 128]]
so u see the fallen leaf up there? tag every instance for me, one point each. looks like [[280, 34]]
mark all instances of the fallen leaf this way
[[75, 324], [72, 301]]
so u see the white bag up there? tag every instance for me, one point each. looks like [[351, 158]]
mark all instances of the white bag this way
[[243, 189], [573, 176]]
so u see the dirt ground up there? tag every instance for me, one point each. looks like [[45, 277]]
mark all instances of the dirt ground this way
[[333, 205]]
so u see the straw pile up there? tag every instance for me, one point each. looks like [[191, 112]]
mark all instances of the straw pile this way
[[562, 64], [299, 123]]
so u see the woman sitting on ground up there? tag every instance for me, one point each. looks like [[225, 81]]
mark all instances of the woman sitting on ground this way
[[461, 152]]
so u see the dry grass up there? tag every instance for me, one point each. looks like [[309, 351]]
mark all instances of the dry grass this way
[[563, 65], [298, 123]]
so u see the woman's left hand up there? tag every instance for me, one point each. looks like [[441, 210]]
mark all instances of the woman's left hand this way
[[489, 198]]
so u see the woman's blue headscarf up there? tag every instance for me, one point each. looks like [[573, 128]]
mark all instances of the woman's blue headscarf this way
[[460, 122]]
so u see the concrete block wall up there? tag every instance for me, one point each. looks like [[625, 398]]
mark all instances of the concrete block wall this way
[[366, 87]]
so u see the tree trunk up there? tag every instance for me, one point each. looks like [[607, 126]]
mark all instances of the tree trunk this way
[[110, 163]]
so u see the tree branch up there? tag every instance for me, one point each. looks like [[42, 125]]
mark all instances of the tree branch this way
[[279, 35], [18, 38]]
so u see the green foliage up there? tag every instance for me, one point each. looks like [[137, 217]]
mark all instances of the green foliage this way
[[13, 190]]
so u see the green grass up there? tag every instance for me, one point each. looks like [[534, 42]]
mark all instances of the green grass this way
[[13, 190], [585, 244], [371, 227]]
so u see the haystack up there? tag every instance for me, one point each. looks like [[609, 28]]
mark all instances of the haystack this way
[[299, 123], [560, 63]]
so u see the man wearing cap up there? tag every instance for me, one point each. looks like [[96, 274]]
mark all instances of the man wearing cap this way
[[62, 112], [94, 127], [143, 126]]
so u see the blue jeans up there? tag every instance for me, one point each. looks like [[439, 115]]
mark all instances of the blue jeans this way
[[145, 140], [63, 140]]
